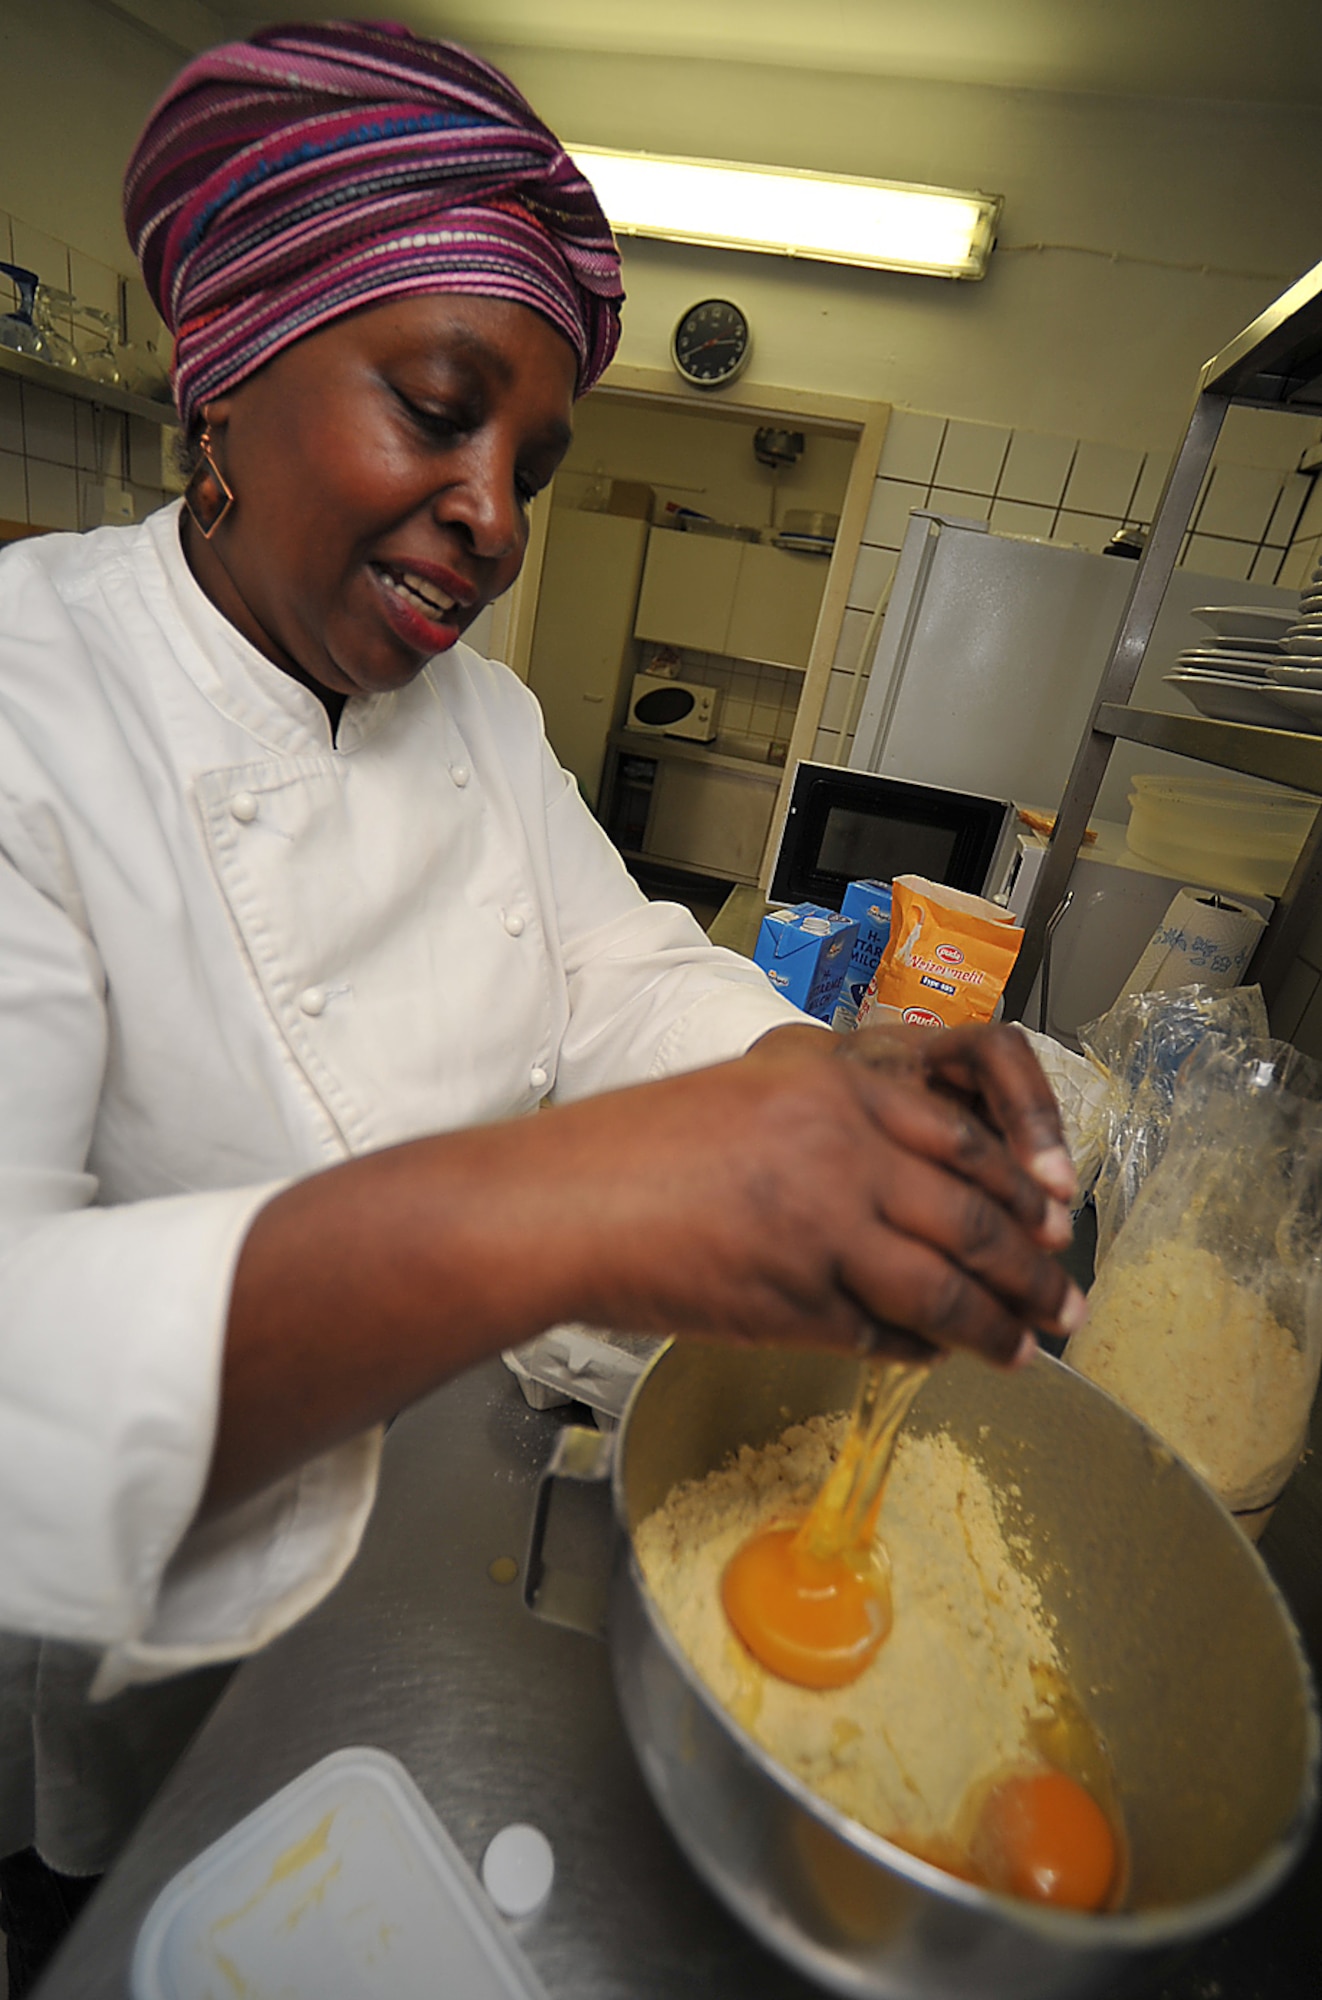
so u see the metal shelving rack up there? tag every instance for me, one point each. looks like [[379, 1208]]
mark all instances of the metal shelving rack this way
[[1274, 364]]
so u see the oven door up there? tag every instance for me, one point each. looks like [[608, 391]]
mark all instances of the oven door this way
[[845, 826]]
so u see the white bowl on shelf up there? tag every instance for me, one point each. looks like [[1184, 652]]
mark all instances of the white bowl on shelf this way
[[1242, 621], [1304, 704], [1295, 673], [1224, 698], [1249, 666]]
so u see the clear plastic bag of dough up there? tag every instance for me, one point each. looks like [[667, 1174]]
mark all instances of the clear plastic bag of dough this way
[[1143, 1042], [1206, 1319]]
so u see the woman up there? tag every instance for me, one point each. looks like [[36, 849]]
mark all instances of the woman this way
[[292, 886]]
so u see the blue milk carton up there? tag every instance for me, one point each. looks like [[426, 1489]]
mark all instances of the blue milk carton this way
[[869, 904], [804, 952]]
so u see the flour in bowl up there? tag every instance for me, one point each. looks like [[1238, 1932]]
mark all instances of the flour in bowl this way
[[948, 1703]]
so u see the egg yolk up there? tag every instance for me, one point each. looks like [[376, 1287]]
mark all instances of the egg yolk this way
[[814, 1620], [1044, 1837]]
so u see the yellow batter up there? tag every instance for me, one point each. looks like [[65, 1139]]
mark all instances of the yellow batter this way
[[947, 1703]]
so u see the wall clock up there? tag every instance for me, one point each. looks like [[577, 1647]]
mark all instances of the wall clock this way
[[711, 344]]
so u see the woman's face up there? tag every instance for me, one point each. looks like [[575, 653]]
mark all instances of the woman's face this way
[[382, 470]]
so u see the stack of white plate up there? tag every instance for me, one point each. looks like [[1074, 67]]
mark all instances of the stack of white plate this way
[[1232, 675], [1296, 678]]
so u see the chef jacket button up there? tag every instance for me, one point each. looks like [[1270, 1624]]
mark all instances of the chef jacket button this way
[[461, 774], [514, 923], [243, 807], [313, 999], [537, 1077]]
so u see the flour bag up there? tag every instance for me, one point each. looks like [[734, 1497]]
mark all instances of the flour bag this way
[[947, 959], [1206, 1318]]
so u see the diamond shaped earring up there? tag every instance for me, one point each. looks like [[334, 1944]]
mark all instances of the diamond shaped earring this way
[[207, 496]]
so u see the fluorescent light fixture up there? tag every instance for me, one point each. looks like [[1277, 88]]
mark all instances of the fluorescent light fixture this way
[[841, 220]]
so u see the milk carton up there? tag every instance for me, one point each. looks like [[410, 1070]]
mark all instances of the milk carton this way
[[804, 953], [869, 904]]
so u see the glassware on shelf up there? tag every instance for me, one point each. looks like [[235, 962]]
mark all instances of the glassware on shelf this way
[[101, 352], [144, 372], [57, 347], [17, 331]]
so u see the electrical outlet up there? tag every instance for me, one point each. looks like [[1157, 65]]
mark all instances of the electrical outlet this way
[[107, 503]]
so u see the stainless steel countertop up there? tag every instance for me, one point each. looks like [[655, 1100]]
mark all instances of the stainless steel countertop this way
[[501, 1717]]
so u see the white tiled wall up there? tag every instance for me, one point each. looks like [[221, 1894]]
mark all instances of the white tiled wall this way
[[56, 453], [1306, 548], [1256, 517], [758, 703]]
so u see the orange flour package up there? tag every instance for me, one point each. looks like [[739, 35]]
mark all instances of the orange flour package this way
[[947, 960]]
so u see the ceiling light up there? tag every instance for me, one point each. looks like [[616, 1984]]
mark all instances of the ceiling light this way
[[841, 220]]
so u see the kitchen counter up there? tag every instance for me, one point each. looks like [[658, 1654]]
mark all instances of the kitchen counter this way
[[501, 1717]]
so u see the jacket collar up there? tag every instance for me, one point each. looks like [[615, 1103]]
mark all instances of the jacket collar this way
[[238, 680]]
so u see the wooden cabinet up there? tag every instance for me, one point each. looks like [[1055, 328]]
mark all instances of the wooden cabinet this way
[[744, 599], [582, 649]]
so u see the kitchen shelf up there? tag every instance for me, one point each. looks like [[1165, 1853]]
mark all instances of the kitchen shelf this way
[[636, 743], [1283, 756], [1275, 363], [65, 383]]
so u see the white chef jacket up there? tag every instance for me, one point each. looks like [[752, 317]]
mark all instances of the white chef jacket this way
[[234, 951]]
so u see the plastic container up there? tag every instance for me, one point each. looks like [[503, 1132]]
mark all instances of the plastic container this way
[[581, 1364], [1219, 833], [344, 1883]]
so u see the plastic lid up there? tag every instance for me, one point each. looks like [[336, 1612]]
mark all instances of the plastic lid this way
[[344, 1882], [1217, 791]]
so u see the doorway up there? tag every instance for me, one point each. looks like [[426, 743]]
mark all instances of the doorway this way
[[712, 543]]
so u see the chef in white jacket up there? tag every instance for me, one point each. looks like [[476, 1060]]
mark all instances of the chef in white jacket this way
[[298, 915]]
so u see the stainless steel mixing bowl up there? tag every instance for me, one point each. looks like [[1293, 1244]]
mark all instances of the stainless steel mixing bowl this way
[[1170, 1629]]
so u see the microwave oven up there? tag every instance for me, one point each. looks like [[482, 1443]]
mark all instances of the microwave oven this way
[[674, 708], [844, 826]]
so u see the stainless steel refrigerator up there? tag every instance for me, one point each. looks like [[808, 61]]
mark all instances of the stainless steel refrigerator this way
[[983, 679], [989, 657]]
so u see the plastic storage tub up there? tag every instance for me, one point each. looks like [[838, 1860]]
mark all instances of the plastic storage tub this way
[[1219, 833], [343, 1884]]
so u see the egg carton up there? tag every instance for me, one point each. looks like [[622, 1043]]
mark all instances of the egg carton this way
[[581, 1364]]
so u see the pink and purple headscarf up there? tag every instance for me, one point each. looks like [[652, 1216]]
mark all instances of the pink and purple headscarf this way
[[287, 180]]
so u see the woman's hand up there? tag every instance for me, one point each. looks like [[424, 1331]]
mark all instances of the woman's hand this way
[[993, 1070], [870, 1192], [881, 1194]]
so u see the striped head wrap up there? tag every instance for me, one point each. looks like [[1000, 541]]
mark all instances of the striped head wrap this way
[[287, 180]]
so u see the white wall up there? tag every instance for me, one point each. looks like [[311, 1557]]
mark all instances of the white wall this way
[[702, 461], [1062, 341], [1055, 340], [76, 84]]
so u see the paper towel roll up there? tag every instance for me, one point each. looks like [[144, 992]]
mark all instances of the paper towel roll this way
[[1203, 940]]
